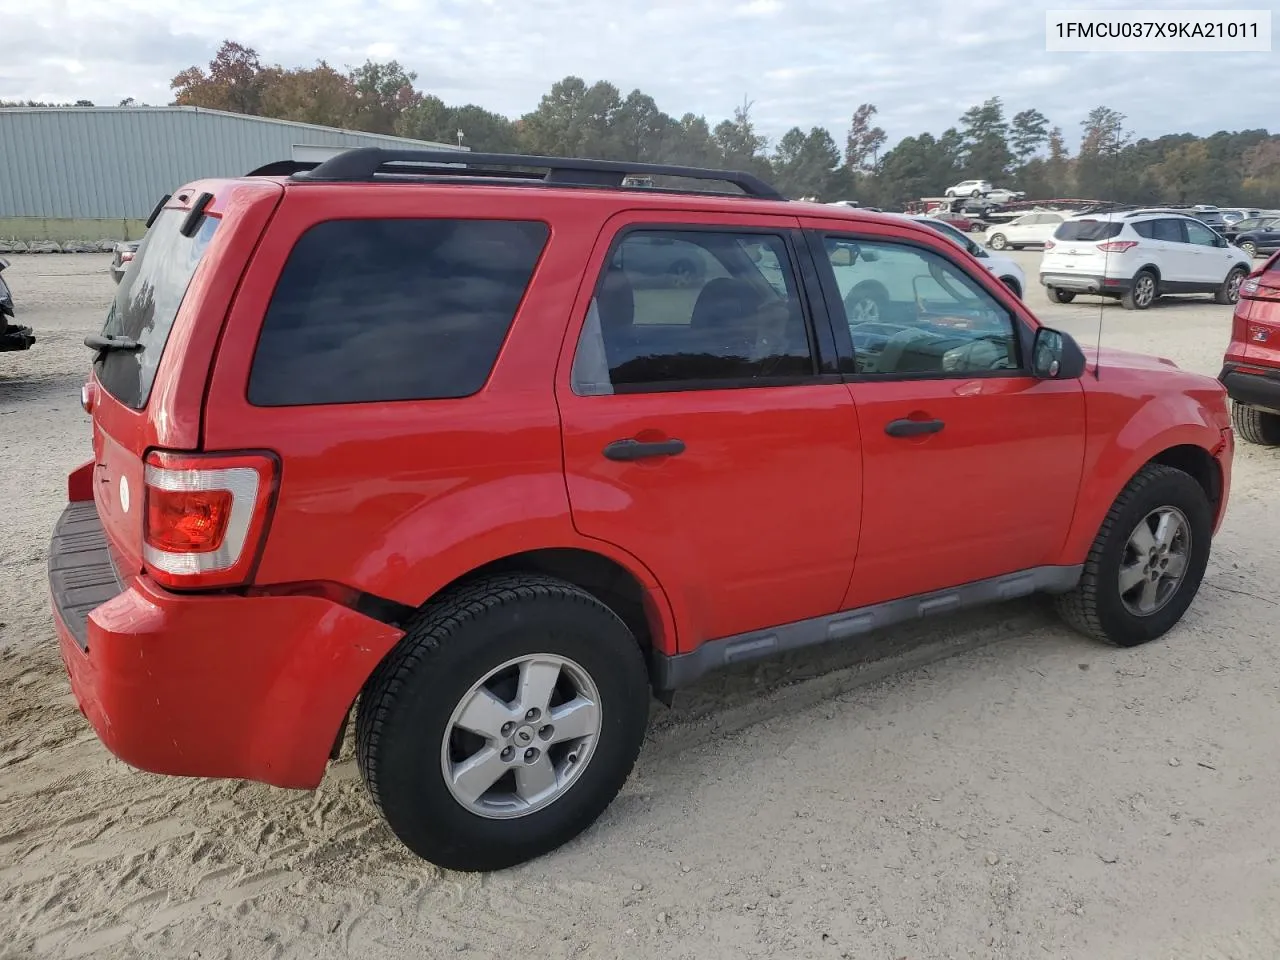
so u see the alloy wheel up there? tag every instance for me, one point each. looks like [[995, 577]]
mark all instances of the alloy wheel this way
[[1144, 292], [521, 736], [1156, 557]]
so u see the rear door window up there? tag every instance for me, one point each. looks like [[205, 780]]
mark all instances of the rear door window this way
[[147, 302], [1169, 230], [380, 310]]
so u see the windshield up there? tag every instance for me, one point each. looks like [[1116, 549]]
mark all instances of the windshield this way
[[1088, 230], [147, 302]]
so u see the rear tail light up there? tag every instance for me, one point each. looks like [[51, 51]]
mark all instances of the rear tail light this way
[[1117, 246], [126, 256], [205, 517], [1049, 244], [88, 396], [1249, 287]]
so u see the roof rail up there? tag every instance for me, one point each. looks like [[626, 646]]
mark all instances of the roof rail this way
[[365, 163], [283, 168]]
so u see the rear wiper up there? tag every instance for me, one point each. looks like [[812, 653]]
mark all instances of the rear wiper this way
[[96, 341]]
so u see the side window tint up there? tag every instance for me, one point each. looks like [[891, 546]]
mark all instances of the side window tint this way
[[1169, 230], [693, 309], [911, 312], [1199, 234], [369, 310], [1145, 228]]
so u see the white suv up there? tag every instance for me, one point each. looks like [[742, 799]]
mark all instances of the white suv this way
[[970, 188], [1140, 256]]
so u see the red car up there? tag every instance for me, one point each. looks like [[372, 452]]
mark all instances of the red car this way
[[1251, 367], [438, 446]]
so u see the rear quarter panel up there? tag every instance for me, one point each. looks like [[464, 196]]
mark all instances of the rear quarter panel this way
[[401, 498]]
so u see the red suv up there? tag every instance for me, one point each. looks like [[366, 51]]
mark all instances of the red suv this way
[[1251, 367], [488, 452]]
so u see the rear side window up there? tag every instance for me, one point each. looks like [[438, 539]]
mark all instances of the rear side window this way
[[147, 302], [1087, 231], [377, 310]]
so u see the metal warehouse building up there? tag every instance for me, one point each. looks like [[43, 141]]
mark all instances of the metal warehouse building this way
[[93, 172]]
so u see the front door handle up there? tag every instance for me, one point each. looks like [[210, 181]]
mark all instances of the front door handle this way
[[633, 449], [912, 428]]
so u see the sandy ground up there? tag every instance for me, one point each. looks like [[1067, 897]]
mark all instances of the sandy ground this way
[[986, 786]]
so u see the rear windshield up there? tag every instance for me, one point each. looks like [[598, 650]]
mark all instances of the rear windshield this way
[[1088, 230], [375, 310], [146, 303]]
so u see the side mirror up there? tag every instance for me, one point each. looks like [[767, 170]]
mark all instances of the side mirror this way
[[1056, 356]]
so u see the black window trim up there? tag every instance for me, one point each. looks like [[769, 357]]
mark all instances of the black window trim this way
[[835, 308], [547, 241], [812, 305]]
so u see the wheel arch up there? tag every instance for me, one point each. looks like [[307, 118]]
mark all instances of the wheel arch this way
[[635, 597], [1186, 446], [605, 578], [1153, 268]]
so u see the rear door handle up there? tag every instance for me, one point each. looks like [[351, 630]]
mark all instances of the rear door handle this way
[[632, 449], [912, 428]]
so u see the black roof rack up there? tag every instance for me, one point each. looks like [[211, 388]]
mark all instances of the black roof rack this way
[[366, 163], [283, 168]]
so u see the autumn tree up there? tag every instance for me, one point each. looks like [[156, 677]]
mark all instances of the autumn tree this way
[[382, 92], [233, 82], [319, 94]]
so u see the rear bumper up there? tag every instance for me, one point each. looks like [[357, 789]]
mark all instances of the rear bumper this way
[[252, 688], [1086, 283], [1252, 386]]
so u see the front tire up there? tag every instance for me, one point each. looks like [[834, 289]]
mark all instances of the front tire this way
[[1256, 426], [503, 723], [998, 241], [1013, 285], [1147, 562], [1249, 247], [1142, 293]]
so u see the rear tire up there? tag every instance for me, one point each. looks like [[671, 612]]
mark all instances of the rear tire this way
[[1142, 293], [1101, 606], [1058, 295], [1256, 426], [413, 723], [1229, 292]]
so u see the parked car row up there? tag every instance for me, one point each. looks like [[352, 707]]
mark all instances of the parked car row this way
[[985, 190]]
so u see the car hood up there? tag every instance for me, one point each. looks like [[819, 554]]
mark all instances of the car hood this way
[[1125, 358]]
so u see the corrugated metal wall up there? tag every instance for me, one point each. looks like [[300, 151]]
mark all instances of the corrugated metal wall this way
[[111, 163]]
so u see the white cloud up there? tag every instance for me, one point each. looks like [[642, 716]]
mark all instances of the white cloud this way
[[802, 63]]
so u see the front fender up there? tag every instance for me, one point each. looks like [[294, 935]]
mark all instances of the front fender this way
[[1113, 456]]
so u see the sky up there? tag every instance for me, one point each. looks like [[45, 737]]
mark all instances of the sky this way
[[798, 62]]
